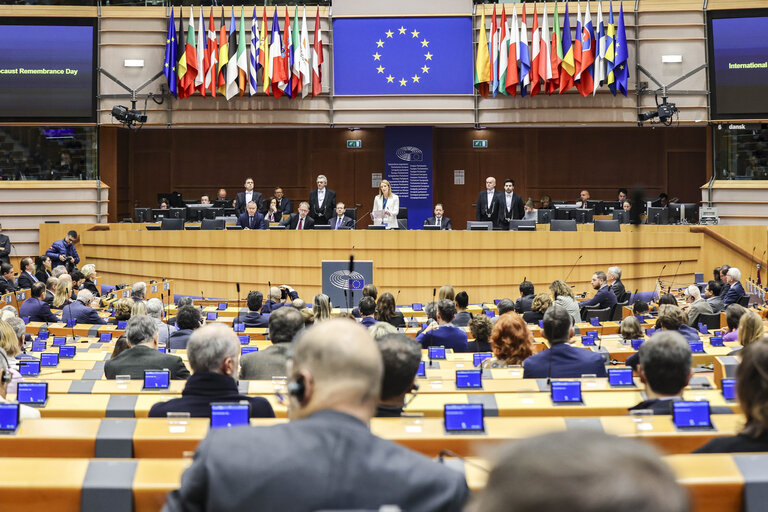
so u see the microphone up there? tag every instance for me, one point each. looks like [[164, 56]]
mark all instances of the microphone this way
[[415, 390], [549, 369], [658, 279], [752, 262], [434, 292], [351, 298], [573, 267], [68, 370], [397, 296], [361, 218], [167, 326], [70, 317], [237, 285], [450, 453], [673, 277], [202, 295]]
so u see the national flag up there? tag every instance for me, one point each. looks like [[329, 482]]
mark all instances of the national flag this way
[[610, 51], [296, 57], [599, 78], [494, 40], [577, 48], [253, 81], [191, 53], [212, 56], [317, 58], [223, 55], [264, 54], [556, 54], [513, 73], [482, 61], [201, 55], [545, 62], [535, 52], [277, 64], [169, 64], [232, 70], [568, 67], [587, 83], [181, 56], [525, 56], [242, 61], [304, 67], [621, 64], [288, 56], [503, 52]]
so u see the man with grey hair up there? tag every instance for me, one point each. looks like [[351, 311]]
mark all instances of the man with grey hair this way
[[138, 291], [322, 201], [613, 277], [214, 353], [301, 220], [251, 218], [284, 323], [550, 473], [736, 290], [80, 311], [141, 333], [335, 382], [277, 297], [58, 271], [164, 330], [696, 305]]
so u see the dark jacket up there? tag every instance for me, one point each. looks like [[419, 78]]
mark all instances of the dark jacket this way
[[266, 363], [735, 292], [180, 338], [462, 319], [58, 248], [7, 286], [37, 310], [604, 298], [367, 321], [42, 275], [136, 359], [91, 287], [25, 281], [292, 222], [258, 221], [253, 319], [346, 222], [81, 313], [322, 213], [447, 335], [445, 223], [485, 214], [5, 249], [563, 361], [241, 204], [523, 304], [736, 444]]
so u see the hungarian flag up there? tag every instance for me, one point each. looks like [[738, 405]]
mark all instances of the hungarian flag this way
[[525, 57], [191, 54], [242, 61], [568, 66], [545, 62], [277, 66], [587, 83], [503, 52], [555, 54], [304, 68], [296, 54], [621, 64], [232, 58], [253, 83], [536, 52], [513, 74], [317, 58], [494, 40], [599, 78], [201, 56], [286, 85], [264, 54], [223, 56], [211, 56], [169, 64], [483, 61]]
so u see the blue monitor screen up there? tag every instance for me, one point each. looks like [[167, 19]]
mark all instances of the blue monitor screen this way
[[238, 326], [716, 341], [9, 417], [38, 346], [43, 335], [248, 350], [469, 379], [650, 331], [32, 393], [212, 315], [163, 350], [691, 414], [620, 377], [105, 337], [588, 341], [59, 340], [422, 370], [490, 314], [29, 368], [479, 357], [593, 334], [436, 352], [566, 391], [417, 307], [156, 379], [229, 415], [49, 359], [636, 344], [71, 323], [244, 339], [594, 321], [697, 347], [121, 324], [729, 388], [463, 418], [222, 306], [67, 351]]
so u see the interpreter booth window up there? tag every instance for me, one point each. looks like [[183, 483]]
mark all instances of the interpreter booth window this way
[[741, 151], [48, 153]]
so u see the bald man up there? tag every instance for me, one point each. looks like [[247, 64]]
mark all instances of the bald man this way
[[326, 458]]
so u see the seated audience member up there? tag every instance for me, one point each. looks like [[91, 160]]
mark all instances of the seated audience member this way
[[696, 305], [204, 199], [626, 206], [61, 297], [251, 219], [139, 291], [369, 290], [341, 221], [43, 268], [386, 311], [725, 286], [631, 329], [273, 213], [253, 318], [141, 333], [80, 311], [623, 195], [439, 219], [750, 330], [401, 356], [539, 306], [444, 333], [7, 282], [284, 323], [50, 290], [381, 329], [671, 318], [335, 386], [604, 298], [155, 312], [27, 274], [736, 290], [188, 318], [367, 308], [733, 314], [77, 281], [139, 308], [640, 308], [561, 360], [308, 316], [321, 307], [712, 295], [523, 304], [9, 376], [10, 347], [716, 275], [122, 308], [480, 326], [564, 297], [583, 198], [752, 392], [300, 220], [664, 368], [530, 210], [278, 297], [121, 345], [546, 203], [284, 205], [549, 473], [505, 306], [35, 306], [668, 299], [214, 354], [89, 272], [613, 278], [511, 342], [463, 316], [446, 292], [63, 252]]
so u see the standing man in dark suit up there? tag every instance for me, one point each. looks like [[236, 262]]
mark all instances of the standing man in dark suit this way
[[340, 220], [27, 275], [7, 283], [252, 219], [5, 247], [510, 205], [300, 220], [284, 205], [604, 298], [322, 201], [439, 219], [487, 203], [246, 196]]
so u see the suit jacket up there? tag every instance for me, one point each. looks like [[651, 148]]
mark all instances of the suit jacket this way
[[58, 248], [523, 304], [445, 223], [5, 249], [367, 321], [204, 388], [462, 319], [565, 361], [724, 290], [258, 221], [25, 281], [179, 338], [136, 359], [37, 310], [604, 298], [618, 289], [697, 308], [447, 335], [735, 292], [7, 286], [346, 222], [716, 303], [393, 207], [321, 213], [265, 364], [42, 275], [91, 287], [253, 319], [483, 213], [339, 463], [665, 406], [48, 297], [517, 211], [241, 203], [81, 313], [293, 221], [284, 205]]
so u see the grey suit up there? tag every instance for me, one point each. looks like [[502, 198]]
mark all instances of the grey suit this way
[[328, 461], [696, 308], [265, 364], [136, 359]]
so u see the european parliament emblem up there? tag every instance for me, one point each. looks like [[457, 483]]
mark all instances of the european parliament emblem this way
[[402, 56]]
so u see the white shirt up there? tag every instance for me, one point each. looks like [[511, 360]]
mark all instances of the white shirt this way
[[490, 194], [320, 197], [508, 198], [248, 196]]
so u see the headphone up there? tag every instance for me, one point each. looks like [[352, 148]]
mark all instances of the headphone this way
[[298, 388], [6, 375]]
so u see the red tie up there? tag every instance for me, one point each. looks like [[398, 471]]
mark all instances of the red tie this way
[[301, 223]]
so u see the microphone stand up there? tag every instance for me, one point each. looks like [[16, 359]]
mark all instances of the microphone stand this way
[[675, 276], [573, 267]]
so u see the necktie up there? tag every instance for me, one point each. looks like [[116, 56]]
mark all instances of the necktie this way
[[437, 222], [301, 223], [338, 222], [250, 221]]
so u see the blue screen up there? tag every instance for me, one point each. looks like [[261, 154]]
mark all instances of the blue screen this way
[[422, 371], [67, 351], [162, 349], [588, 341], [59, 340], [691, 414], [729, 388], [479, 357], [248, 350], [716, 341], [436, 352], [417, 307], [121, 324], [244, 339], [9, 417], [222, 306], [49, 359], [32, 392], [105, 336], [71, 323], [593, 334], [229, 415], [463, 417], [469, 379], [43, 335], [636, 344], [156, 379], [30, 368], [650, 331], [594, 321], [697, 347], [566, 391], [212, 315], [620, 377], [239, 327], [490, 314], [38, 346]]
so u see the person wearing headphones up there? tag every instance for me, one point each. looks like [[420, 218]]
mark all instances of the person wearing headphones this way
[[326, 457], [6, 376], [401, 355]]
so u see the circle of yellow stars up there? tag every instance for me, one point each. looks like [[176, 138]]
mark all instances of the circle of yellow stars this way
[[403, 81]]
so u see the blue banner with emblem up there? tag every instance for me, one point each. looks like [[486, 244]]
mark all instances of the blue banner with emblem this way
[[402, 56], [408, 168]]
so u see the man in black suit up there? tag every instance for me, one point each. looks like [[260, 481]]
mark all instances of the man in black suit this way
[[322, 201], [7, 283], [604, 298], [253, 318], [614, 281], [510, 205], [5, 247], [487, 202], [284, 205], [340, 220], [439, 219], [246, 196], [27, 275], [35, 307], [252, 219], [50, 288], [527, 293], [401, 355], [300, 220], [284, 323]]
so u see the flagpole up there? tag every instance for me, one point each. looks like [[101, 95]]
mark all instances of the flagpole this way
[[474, 65], [330, 54]]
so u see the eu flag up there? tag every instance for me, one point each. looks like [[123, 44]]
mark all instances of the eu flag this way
[[398, 56]]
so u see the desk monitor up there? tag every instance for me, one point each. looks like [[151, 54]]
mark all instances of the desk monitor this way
[[142, 214], [422, 372], [162, 350], [39, 346], [222, 306], [611, 206], [230, 414], [475, 225], [658, 215], [431, 227], [157, 379], [469, 379], [716, 341], [196, 212], [588, 341], [222, 203], [436, 352], [463, 418], [697, 347], [636, 343], [29, 368], [565, 391], [248, 350], [729, 388], [122, 324], [244, 339], [213, 213], [679, 212], [620, 377], [9, 417], [321, 227], [59, 340], [238, 326], [694, 415], [583, 215], [543, 216], [416, 306], [105, 337], [43, 335], [49, 359], [621, 215], [377, 226], [479, 357], [521, 225], [563, 211], [212, 315], [67, 351], [32, 393], [595, 205]]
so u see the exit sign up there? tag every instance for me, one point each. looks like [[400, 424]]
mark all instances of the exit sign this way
[[352, 144], [481, 143]]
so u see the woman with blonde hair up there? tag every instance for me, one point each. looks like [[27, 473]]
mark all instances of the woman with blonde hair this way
[[388, 202], [446, 292], [511, 342], [321, 308], [563, 296], [750, 329], [122, 308], [539, 306], [61, 297], [89, 272], [139, 308]]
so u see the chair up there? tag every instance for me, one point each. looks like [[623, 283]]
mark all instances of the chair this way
[[744, 301], [212, 225], [711, 321], [625, 297], [607, 226], [402, 223], [172, 224], [603, 315], [351, 213], [617, 309], [402, 213], [562, 225]]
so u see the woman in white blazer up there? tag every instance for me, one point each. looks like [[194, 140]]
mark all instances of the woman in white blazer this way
[[389, 202]]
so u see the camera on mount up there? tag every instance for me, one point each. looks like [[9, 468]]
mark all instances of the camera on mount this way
[[664, 112], [128, 117]]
